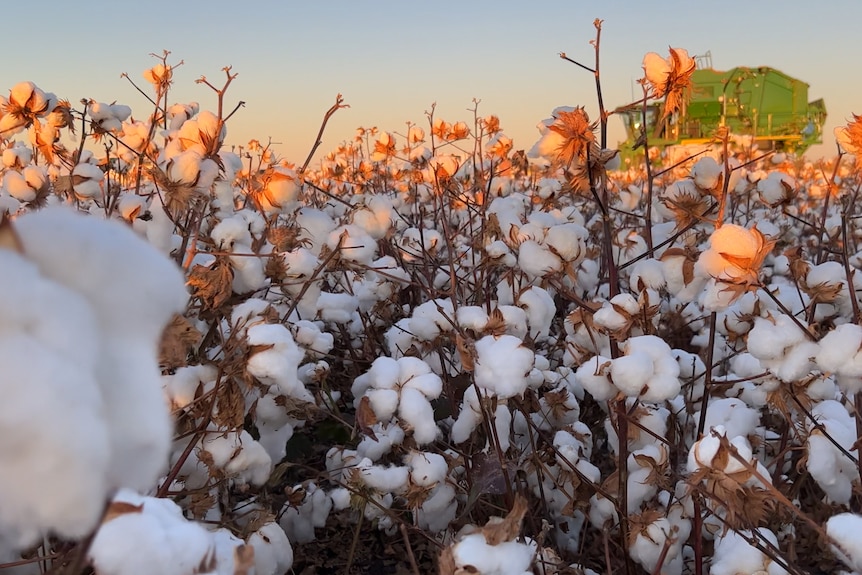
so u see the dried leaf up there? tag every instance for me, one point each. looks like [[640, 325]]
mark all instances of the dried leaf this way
[[509, 528], [466, 351], [117, 508], [230, 405], [243, 560], [9, 239], [366, 418], [178, 339], [213, 284]]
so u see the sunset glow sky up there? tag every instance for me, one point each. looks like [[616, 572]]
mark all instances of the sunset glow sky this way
[[392, 59]]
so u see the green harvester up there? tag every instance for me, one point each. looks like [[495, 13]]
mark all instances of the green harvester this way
[[763, 103]]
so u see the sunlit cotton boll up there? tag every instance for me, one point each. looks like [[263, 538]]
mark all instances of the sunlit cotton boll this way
[[108, 117], [87, 181]]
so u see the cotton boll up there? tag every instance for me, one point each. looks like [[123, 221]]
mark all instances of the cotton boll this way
[[469, 417], [55, 445], [733, 555], [567, 241], [439, 510], [392, 479], [593, 376], [231, 231], [153, 539], [844, 529], [505, 558], [540, 308], [278, 362], [630, 373], [706, 173], [426, 469], [273, 554], [239, 456], [387, 436], [471, 317], [336, 307], [415, 410], [502, 364], [732, 415], [833, 471], [133, 290], [536, 260]]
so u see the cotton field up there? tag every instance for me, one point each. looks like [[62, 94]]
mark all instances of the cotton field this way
[[427, 350]]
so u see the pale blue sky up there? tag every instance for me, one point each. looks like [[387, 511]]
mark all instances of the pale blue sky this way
[[392, 59]]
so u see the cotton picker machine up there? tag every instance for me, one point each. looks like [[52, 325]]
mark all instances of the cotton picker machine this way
[[762, 104]]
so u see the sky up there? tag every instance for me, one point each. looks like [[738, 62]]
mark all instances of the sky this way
[[392, 60]]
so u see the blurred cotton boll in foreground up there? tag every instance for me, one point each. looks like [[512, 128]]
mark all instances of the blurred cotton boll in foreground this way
[[84, 305]]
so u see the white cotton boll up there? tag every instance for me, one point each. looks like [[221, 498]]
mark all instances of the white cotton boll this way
[[55, 445], [336, 307], [429, 384], [155, 539], [316, 342], [438, 510], [777, 188], [593, 375], [231, 231], [87, 180], [505, 558], [602, 511], [17, 186], [536, 260], [469, 417], [648, 547], [273, 554], [844, 529], [278, 363], [499, 251], [516, 320], [471, 317], [426, 469], [647, 274], [833, 471], [704, 450], [353, 244], [796, 363], [734, 555], [415, 410], [388, 435], [706, 173], [770, 337], [239, 456], [384, 402], [630, 373], [502, 363], [732, 415], [182, 386], [281, 190], [839, 350], [567, 241], [387, 480], [540, 308], [134, 290]]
